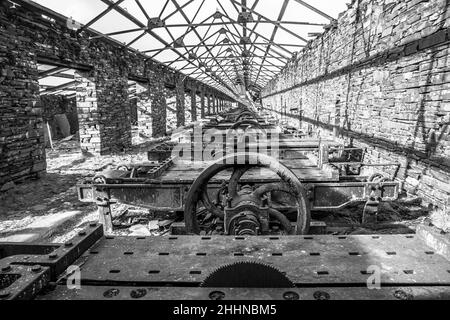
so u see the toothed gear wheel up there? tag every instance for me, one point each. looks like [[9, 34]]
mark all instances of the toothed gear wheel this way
[[247, 274]]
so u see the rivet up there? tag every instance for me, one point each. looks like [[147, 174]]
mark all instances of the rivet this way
[[82, 234], [93, 225], [111, 293], [290, 295], [402, 295], [53, 256], [321, 295], [68, 244], [139, 293], [217, 295]]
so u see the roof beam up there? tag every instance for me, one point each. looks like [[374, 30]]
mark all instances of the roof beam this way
[[272, 38], [267, 19], [101, 15], [307, 5]]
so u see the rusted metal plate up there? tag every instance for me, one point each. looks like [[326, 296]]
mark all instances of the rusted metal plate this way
[[338, 195], [309, 260], [307, 174], [22, 282], [180, 293], [61, 257], [149, 196]]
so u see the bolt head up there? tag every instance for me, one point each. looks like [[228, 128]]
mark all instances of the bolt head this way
[[68, 244], [53, 256], [82, 234]]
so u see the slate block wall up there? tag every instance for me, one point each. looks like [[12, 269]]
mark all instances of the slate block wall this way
[[380, 78], [22, 153], [29, 36]]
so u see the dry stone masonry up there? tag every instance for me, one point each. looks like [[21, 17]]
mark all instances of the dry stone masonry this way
[[103, 70], [380, 78]]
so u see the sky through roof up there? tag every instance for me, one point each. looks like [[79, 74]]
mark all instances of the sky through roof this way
[[217, 42]]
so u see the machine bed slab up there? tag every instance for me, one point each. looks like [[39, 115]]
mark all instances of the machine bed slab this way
[[338, 266]]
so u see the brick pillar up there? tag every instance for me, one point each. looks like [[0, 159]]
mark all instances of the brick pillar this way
[[202, 104], [103, 111], [158, 103], [144, 110], [194, 104], [22, 149], [181, 117]]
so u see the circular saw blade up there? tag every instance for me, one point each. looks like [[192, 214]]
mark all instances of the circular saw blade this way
[[247, 274]]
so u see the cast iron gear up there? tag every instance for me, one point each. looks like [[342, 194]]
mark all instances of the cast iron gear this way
[[247, 274]]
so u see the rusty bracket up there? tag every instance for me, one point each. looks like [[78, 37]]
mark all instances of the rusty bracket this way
[[58, 259], [22, 282], [370, 212], [158, 171]]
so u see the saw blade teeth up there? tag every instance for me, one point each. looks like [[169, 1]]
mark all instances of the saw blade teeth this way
[[247, 274]]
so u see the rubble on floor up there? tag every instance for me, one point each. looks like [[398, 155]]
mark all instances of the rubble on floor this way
[[27, 207], [44, 209]]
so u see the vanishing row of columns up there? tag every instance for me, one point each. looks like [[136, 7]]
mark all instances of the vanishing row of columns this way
[[104, 110]]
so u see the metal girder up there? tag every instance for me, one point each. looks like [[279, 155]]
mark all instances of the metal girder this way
[[275, 29], [241, 34], [133, 19], [60, 87], [307, 5], [195, 31], [192, 25], [51, 71]]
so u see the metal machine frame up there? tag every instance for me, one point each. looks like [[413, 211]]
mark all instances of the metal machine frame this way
[[234, 266]]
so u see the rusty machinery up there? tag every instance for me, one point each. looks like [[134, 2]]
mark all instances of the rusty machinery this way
[[321, 175], [244, 230]]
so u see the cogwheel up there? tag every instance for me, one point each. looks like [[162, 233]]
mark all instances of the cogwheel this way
[[247, 274]]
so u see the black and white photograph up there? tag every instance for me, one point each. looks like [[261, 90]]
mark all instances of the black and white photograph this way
[[227, 158]]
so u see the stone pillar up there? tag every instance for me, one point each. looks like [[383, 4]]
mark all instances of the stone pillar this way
[[103, 111], [194, 104], [214, 104], [202, 104], [158, 103], [209, 104], [181, 117], [144, 110], [22, 145]]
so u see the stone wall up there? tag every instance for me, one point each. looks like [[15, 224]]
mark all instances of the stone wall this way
[[22, 154], [29, 36], [380, 78]]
